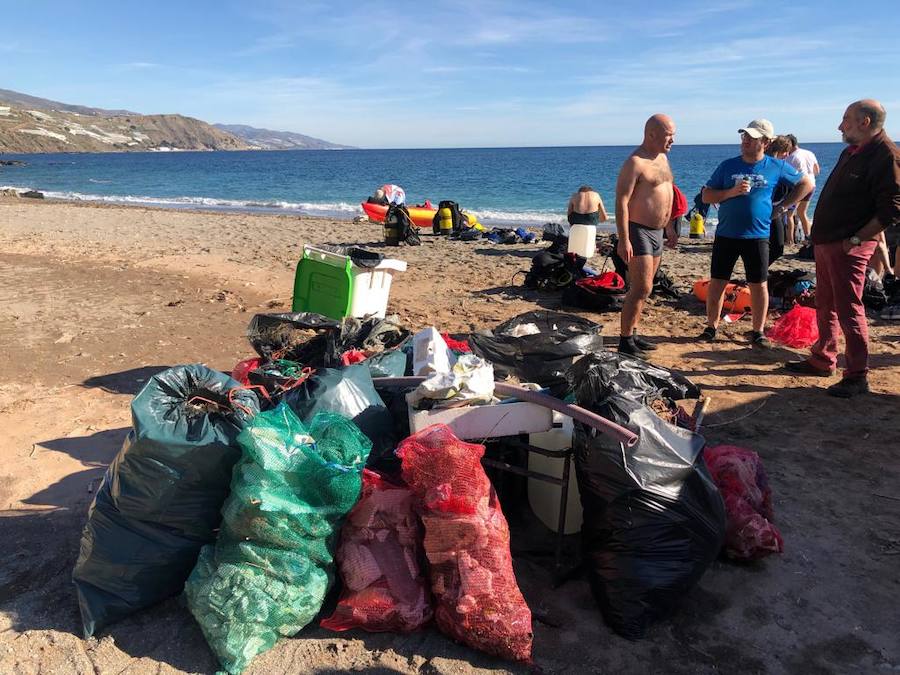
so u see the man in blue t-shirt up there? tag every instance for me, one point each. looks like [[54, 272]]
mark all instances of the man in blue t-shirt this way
[[743, 187]]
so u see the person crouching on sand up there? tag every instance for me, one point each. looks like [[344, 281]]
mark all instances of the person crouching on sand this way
[[643, 210], [742, 187]]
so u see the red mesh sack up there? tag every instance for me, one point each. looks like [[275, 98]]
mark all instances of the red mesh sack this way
[[796, 328], [378, 558], [466, 545], [742, 481]]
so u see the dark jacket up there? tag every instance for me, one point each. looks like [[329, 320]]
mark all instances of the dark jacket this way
[[862, 185]]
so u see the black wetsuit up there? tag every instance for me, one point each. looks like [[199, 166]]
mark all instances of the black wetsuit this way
[[592, 218]]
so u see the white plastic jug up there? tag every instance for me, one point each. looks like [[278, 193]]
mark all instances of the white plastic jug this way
[[583, 240]]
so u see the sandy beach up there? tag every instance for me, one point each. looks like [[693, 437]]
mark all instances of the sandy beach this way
[[96, 299]]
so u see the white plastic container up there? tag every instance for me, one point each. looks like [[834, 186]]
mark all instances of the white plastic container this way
[[544, 497], [372, 288], [430, 353], [477, 422], [583, 240]]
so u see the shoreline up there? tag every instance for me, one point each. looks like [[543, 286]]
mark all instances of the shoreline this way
[[607, 227]]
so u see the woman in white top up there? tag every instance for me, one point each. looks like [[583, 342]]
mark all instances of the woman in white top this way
[[805, 162]]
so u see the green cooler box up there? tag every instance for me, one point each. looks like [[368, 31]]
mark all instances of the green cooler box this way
[[331, 284]]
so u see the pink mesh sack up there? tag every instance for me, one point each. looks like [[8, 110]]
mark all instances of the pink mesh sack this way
[[742, 481], [466, 544], [796, 328], [378, 558]]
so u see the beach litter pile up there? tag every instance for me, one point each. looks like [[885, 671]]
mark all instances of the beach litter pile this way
[[256, 493]]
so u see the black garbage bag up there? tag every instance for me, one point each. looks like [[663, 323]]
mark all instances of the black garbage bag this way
[[297, 336], [653, 518], [160, 499], [360, 256], [874, 296], [558, 235], [556, 339], [350, 392], [369, 335], [635, 379], [584, 297]]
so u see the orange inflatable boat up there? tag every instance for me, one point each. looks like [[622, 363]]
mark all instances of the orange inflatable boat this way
[[737, 296], [420, 216]]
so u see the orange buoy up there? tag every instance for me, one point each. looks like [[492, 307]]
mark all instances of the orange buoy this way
[[737, 296]]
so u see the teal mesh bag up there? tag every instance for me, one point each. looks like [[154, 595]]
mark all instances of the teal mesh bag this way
[[272, 565]]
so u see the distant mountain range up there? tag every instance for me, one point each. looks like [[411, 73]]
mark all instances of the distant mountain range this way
[[266, 139], [32, 124]]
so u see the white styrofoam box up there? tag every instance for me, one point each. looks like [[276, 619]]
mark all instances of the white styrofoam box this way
[[475, 422], [430, 353], [544, 497]]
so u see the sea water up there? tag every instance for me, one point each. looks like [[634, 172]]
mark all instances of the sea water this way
[[501, 186]]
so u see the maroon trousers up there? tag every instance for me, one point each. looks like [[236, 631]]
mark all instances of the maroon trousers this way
[[840, 278]]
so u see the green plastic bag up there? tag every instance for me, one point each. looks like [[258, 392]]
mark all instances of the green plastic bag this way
[[161, 498], [269, 571]]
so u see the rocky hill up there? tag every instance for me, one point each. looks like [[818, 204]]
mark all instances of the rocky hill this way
[[266, 139], [28, 102], [32, 124], [59, 131]]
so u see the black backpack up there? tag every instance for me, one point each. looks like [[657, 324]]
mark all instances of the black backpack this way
[[592, 299], [664, 286], [554, 271], [460, 222], [398, 227]]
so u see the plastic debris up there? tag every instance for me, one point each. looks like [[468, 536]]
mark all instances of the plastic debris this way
[[384, 587], [653, 518], [478, 601], [796, 328], [470, 381], [161, 497], [272, 565], [739, 473]]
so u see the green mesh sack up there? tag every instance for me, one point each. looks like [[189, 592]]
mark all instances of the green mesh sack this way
[[272, 565]]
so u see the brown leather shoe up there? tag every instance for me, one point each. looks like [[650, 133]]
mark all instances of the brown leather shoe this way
[[849, 387], [806, 368]]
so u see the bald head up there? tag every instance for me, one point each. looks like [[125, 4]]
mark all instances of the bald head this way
[[657, 122], [862, 121], [869, 107], [659, 133]]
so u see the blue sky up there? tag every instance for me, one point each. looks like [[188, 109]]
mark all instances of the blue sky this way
[[479, 73]]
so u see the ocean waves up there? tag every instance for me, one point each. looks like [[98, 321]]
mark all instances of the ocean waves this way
[[335, 210], [341, 210]]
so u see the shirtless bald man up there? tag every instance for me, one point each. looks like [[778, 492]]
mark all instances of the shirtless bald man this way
[[643, 210]]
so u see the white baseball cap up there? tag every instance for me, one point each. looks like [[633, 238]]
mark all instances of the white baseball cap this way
[[759, 129]]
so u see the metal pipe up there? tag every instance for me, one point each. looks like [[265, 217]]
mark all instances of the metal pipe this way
[[587, 417]]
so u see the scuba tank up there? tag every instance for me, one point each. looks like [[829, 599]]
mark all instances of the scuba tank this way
[[697, 231], [391, 228], [445, 220]]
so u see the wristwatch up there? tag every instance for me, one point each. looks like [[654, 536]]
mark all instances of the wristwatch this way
[[856, 241]]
